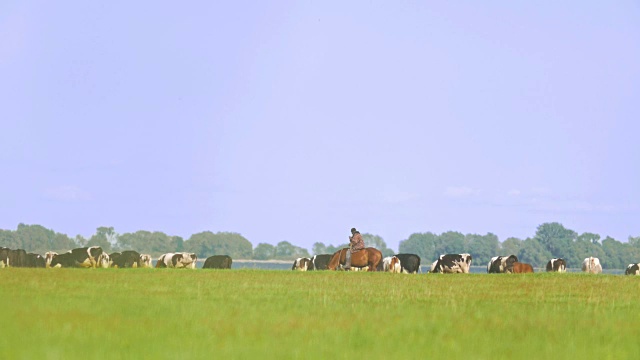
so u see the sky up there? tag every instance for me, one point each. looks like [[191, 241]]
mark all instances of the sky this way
[[296, 121]]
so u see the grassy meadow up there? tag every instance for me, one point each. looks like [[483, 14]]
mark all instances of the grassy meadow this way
[[261, 314]]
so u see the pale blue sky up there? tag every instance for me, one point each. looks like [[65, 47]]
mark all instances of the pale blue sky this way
[[299, 120]]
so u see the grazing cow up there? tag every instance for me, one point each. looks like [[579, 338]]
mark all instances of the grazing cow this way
[[557, 265], [218, 262], [501, 264], [35, 261], [302, 264], [410, 263], [391, 264], [321, 261], [127, 259], [452, 264], [177, 260], [592, 265], [521, 268], [632, 269], [4, 257]]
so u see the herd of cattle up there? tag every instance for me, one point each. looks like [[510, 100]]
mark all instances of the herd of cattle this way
[[458, 263], [95, 257]]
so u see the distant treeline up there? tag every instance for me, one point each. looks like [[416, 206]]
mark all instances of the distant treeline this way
[[551, 240]]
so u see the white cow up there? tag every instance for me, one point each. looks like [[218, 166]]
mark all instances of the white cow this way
[[391, 264], [592, 265], [145, 260]]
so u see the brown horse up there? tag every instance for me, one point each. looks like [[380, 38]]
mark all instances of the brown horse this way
[[370, 257]]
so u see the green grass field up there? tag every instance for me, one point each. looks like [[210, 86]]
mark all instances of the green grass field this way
[[260, 314]]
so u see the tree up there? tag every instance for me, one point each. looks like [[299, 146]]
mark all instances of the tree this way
[[421, 244], [286, 251], [154, 243], [586, 245], [206, 243], [264, 252], [534, 253], [511, 246], [378, 243], [9, 239], [319, 248], [556, 239], [482, 248], [105, 237]]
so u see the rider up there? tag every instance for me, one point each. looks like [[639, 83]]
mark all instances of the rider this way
[[356, 243]]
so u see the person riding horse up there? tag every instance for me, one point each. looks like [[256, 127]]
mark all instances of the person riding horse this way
[[356, 243]]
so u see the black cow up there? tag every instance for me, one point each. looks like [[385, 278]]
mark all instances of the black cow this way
[[557, 265], [410, 263], [4, 257], [501, 264], [321, 261], [452, 263], [17, 258], [34, 261], [218, 262], [126, 259]]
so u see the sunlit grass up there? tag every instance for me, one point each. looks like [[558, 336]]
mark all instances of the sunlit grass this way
[[179, 314]]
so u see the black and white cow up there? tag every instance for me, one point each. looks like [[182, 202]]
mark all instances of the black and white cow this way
[[632, 269], [391, 264], [4, 257], [410, 263], [501, 264], [146, 260], [86, 257], [218, 262], [557, 265], [177, 260], [321, 261], [48, 257], [452, 264], [302, 264], [34, 261]]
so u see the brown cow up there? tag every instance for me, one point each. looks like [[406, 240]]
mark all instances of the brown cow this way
[[521, 268]]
